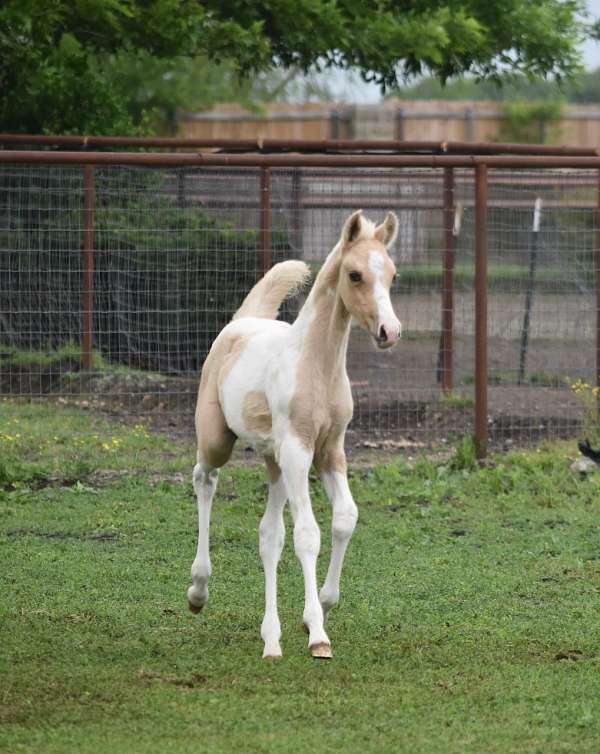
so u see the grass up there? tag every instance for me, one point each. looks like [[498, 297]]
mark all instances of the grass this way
[[454, 400], [509, 278], [502, 277], [12, 356], [69, 354], [511, 377], [468, 621]]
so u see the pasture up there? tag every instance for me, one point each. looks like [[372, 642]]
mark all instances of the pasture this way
[[468, 619]]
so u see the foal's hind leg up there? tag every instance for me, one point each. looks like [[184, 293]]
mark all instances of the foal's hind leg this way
[[272, 536], [205, 483], [215, 443]]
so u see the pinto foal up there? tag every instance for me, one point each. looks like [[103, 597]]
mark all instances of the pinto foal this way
[[284, 390]]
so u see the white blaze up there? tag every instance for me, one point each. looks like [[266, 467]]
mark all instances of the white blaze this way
[[385, 310]]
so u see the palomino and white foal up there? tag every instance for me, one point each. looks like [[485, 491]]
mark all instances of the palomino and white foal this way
[[284, 390]]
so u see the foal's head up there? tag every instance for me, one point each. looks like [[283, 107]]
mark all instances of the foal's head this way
[[366, 275]]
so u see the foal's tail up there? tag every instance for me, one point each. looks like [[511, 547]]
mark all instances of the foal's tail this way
[[281, 281]]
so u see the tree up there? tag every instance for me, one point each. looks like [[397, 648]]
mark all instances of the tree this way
[[584, 87], [158, 87], [469, 88], [58, 57]]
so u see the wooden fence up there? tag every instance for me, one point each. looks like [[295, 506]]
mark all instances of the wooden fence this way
[[435, 120]]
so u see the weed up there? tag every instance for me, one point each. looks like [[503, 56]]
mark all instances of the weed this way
[[589, 398], [511, 377], [464, 459], [454, 400], [10, 356]]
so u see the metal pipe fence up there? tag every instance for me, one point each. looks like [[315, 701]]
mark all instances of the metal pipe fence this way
[[117, 270], [316, 146]]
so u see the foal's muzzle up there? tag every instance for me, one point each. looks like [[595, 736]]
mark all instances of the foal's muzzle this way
[[387, 335]]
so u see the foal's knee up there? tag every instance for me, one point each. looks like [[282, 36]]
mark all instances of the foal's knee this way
[[344, 522], [271, 536], [307, 537]]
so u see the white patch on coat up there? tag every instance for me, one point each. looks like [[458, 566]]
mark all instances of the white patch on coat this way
[[268, 364]]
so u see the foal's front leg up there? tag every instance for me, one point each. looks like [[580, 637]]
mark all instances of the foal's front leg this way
[[295, 461], [345, 515]]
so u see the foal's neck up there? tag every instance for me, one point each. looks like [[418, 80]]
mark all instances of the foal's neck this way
[[323, 324]]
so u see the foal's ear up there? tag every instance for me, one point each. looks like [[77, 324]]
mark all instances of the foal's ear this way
[[387, 232], [352, 228]]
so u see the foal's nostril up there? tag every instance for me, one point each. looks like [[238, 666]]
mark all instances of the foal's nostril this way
[[382, 334]]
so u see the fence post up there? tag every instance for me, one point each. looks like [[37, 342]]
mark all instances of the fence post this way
[[399, 130], [89, 218], [334, 124], [447, 360], [349, 117], [297, 213], [481, 367], [533, 247], [181, 193], [266, 251], [469, 124]]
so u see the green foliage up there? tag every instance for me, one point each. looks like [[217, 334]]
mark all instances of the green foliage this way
[[53, 60], [170, 262], [583, 87], [464, 458], [589, 399], [66, 64], [511, 377], [157, 88], [470, 88], [453, 400], [530, 122], [502, 276], [11, 357], [468, 620]]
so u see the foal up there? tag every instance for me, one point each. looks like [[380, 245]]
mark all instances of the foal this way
[[284, 390]]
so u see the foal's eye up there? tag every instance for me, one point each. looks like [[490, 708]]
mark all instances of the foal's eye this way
[[355, 277]]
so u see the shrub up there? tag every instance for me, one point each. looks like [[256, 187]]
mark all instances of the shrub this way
[[167, 274]]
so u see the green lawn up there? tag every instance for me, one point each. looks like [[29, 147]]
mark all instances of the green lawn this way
[[469, 619], [502, 277]]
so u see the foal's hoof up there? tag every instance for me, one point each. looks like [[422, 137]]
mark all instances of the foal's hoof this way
[[321, 651], [196, 601], [272, 650]]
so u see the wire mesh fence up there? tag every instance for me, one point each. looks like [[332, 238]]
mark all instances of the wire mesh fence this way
[[176, 249]]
